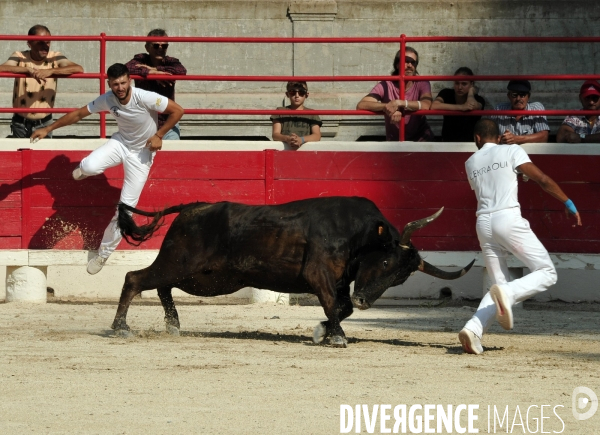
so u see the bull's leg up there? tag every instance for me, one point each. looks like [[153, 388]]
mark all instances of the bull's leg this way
[[328, 328], [171, 316], [128, 292], [135, 283]]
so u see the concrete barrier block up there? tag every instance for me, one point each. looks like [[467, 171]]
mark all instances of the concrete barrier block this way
[[259, 296], [26, 284], [244, 293], [74, 281], [2, 283], [573, 286]]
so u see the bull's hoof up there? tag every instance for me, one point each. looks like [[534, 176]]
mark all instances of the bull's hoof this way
[[319, 333], [173, 330], [123, 333], [338, 341]]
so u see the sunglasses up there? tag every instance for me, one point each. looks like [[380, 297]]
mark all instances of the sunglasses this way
[[518, 94], [292, 93], [411, 61], [159, 46]]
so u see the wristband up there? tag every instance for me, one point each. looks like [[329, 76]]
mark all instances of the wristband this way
[[302, 140], [419, 105], [156, 134], [570, 206], [406, 103]]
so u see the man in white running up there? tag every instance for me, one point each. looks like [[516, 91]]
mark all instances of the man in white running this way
[[492, 173], [133, 145]]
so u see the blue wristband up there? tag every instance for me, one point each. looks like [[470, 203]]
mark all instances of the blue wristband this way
[[302, 140], [570, 206]]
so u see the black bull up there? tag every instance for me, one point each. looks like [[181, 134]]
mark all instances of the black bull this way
[[316, 246]]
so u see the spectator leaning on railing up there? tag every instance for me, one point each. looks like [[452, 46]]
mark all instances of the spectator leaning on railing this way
[[37, 91], [462, 98], [156, 61], [582, 129], [523, 128], [385, 97]]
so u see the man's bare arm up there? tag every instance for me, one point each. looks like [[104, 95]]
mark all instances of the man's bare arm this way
[[370, 103], [12, 66], [68, 119], [174, 112], [566, 134], [65, 68], [546, 183], [539, 137]]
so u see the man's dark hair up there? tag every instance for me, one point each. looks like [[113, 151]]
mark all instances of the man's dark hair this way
[[117, 70], [157, 32], [465, 71], [396, 65], [296, 86], [486, 129], [35, 29]]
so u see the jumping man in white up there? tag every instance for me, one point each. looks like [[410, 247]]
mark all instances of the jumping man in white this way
[[133, 145], [492, 173]]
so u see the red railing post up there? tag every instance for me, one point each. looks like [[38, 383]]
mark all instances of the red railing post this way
[[401, 65], [26, 184], [102, 83], [269, 177]]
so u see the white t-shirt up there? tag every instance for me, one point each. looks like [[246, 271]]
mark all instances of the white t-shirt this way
[[137, 120], [492, 174]]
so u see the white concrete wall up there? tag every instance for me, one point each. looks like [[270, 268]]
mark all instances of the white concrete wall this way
[[316, 18], [578, 275]]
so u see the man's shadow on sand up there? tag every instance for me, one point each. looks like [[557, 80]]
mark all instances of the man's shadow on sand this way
[[84, 206]]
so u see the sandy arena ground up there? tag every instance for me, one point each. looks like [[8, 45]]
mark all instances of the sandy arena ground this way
[[252, 369]]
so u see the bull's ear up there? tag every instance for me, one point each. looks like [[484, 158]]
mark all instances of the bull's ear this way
[[383, 232]]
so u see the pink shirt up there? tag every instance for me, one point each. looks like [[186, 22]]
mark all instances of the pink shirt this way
[[416, 127]]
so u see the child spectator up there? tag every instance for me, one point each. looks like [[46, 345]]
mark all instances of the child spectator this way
[[462, 98], [296, 130]]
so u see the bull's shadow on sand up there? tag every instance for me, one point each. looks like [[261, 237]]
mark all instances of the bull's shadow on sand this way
[[72, 205], [291, 338]]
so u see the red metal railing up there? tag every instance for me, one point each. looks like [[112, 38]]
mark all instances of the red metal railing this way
[[402, 40]]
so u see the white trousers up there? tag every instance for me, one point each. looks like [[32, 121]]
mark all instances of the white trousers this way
[[499, 233], [136, 166]]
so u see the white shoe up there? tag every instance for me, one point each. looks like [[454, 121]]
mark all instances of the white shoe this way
[[470, 342], [78, 175], [96, 264], [504, 314]]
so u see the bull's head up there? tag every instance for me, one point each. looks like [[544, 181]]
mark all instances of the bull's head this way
[[381, 270]]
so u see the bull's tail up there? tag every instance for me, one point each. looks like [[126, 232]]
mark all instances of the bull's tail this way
[[135, 234]]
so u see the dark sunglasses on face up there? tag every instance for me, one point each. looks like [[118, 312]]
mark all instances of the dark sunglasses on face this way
[[292, 93], [159, 46], [411, 61], [592, 98], [518, 94]]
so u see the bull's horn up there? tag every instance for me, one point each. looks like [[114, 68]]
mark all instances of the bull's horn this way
[[416, 225], [429, 269]]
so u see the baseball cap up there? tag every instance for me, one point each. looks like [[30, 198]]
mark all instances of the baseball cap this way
[[519, 86], [294, 86], [590, 87]]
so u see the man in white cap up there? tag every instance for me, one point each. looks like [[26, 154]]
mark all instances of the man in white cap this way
[[492, 173], [582, 129]]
